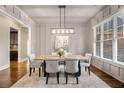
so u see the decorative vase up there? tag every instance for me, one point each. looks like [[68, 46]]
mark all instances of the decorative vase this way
[[60, 55]]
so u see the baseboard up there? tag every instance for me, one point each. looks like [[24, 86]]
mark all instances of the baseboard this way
[[4, 67]]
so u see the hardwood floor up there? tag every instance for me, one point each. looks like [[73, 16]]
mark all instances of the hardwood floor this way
[[112, 82], [17, 70], [10, 75]]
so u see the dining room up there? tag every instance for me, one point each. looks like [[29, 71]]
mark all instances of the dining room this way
[[66, 46]]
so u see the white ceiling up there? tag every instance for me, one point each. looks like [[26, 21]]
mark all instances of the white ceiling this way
[[74, 13]]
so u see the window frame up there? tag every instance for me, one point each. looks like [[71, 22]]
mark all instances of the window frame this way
[[98, 41], [118, 38], [114, 37]]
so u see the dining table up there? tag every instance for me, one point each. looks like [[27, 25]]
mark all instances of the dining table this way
[[42, 59]]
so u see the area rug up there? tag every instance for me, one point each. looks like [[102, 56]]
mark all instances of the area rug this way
[[85, 81]]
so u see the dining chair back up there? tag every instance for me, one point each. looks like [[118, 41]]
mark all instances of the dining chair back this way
[[31, 57], [34, 64], [89, 56], [71, 67], [52, 66], [86, 63]]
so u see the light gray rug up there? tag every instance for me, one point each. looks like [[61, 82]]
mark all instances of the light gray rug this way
[[85, 81]]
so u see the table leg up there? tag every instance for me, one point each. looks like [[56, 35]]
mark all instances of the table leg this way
[[44, 69]]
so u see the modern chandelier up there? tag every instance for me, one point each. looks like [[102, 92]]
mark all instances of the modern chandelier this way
[[62, 22]]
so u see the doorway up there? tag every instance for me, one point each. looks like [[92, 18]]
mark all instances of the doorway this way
[[13, 44]]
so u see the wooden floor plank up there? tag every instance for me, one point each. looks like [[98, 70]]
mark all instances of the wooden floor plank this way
[[11, 75]]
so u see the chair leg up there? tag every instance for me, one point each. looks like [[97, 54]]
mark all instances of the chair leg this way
[[30, 71], [58, 77], [66, 75], [33, 69], [89, 70], [39, 71], [42, 68], [77, 79], [47, 76], [85, 69]]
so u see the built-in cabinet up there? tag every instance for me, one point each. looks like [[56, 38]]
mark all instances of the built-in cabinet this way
[[122, 74], [99, 17], [106, 12], [114, 9], [109, 67], [16, 13], [106, 67]]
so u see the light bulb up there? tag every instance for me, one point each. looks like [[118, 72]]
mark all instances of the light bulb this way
[[71, 31], [67, 31], [53, 31], [62, 31], [58, 31]]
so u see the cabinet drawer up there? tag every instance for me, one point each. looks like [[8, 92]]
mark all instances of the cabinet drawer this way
[[106, 67], [122, 74], [9, 8], [16, 12], [114, 9], [114, 70]]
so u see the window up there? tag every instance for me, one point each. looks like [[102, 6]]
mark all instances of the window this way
[[110, 38], [120, 50], [97, 48], [119, 26], [120, 38], [108, 29], [107, 44], [98, 39], [107, 49]]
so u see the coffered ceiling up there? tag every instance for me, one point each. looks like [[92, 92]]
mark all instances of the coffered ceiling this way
[[74, 13]]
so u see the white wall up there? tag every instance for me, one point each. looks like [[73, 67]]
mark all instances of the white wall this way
[[23, 44], [32, 36], [89, 38], [4, 37], [5, 24], [45, 40]]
